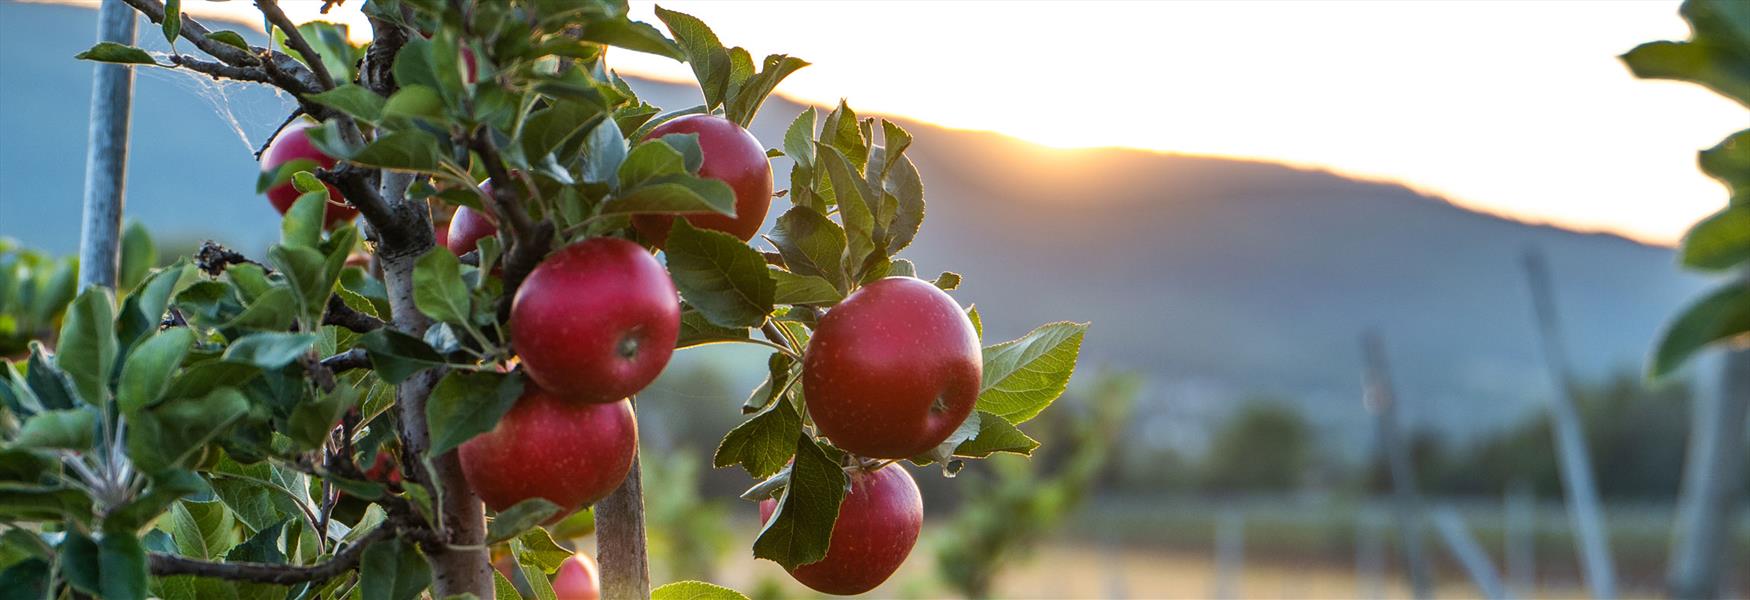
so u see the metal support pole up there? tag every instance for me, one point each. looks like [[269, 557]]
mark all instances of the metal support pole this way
[[1469, 553], [1381, 400], [106, 152], [1576, 464]]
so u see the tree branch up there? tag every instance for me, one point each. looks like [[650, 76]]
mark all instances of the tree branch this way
[[165, 565], [529, 240], [355, 184], [355, 358], [295, 39], [197, 34], [219, 70], [340, 314]]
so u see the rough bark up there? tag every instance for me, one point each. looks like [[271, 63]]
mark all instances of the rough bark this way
[[625, 568]]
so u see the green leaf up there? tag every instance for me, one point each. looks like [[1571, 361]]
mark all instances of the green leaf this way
[[1025, 375], [311, 420], [112, 52], [902, 208], [138, 256], [172, 23], [804, 289], [263, 547], [799, 532], [650, 159], [52, 386], [123, 561], [503, 588], [977, 321], [260, 494], [1719, 242], [840, 131], [415, 101], [1729, 162], [397, 356], [944, 452], [146, 374], [947, 281], [405, 150], [811, 244], [1714, 67], [171, 434], [704, 53], [674, 194], [513, 521], [780, 372], [725, 279], [468, 403], [604, 153], [694, 590], [851, 193], [167, 487], [274, 309], [746, 103], [354, 100], [87, 346], [80, 563], [269, 349], [438, 289], [996, 435], [229, 38], [799, 140], [302, 225], [308, 273], [393, 570], [762, 444], [69, 429], [1719, 316], [201, 530], [696, 330], [631, 35]]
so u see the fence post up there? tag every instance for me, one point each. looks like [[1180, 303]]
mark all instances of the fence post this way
[[1381, 400], [1469, 553], [106, 152], [1576, 465]]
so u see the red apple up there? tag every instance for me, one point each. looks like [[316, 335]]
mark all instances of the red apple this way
[[383, 469], [892, 370], [577, 579], [733, 156], [595, 321], [293, 144], [466, 229], [877, 527], [549, 446]]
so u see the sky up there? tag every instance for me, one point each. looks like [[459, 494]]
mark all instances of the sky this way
[[1515, 108]]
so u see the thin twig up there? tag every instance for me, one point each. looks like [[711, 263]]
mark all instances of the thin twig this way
[[165, 565], [296, 112], [295, 39], [219, 70], [338, 313], [355, 358]]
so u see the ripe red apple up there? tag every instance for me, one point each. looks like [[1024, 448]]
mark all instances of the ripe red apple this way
[[877, 527], [595, 321], [384, 469], [293, 144], [892, 370], [577, 579], [466, 229], [549, 446], [733, 156]]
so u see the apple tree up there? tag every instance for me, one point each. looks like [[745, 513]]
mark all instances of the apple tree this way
[[365, 410]]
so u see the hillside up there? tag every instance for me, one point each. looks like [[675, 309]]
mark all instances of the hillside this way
[[1218, 278]]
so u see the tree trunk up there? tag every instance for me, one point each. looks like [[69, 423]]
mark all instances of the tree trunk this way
[[1712, 484], [454, 570], [620, 540], [106, 153]]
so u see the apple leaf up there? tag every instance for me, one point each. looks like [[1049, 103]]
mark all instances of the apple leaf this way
[[762, 444], [1721, 315], [53, 387], [146, 373], [753, 92], [407, 150], [468, 403], [354, 100], [1721, 241], [696, 330], [112, 52], [69, 429], [512, 521], [604, 150], [694, 590], [393, 569], [87, 347], [397, 356], [313, 418], [172, 22], [801, 528], [674, 194], [631, 35], [438, 288], [269, 349], [996, 434], [811, 244], [1025, 375], [725, 279], [804, 289], [703, 52]]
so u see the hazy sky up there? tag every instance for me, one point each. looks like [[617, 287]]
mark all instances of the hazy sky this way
[[1510, 107]]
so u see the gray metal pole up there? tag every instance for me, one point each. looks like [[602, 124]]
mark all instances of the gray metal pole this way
[[106, 152], [1381, 400], [1469, 553], [1519, 536], [1712, 483], [1576, 464], [1230, 554]]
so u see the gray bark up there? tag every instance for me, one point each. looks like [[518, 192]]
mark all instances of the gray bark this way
[[106, 152], [620, 548]]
